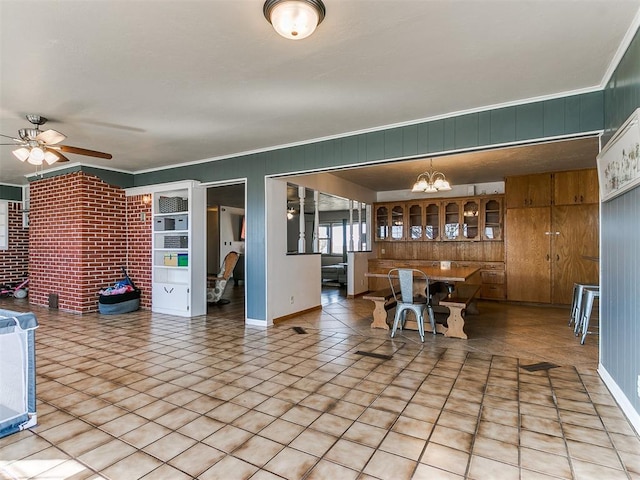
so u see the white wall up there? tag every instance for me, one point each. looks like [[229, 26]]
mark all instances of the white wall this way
[[456, 191], [289, 277], [357, 266], [332, 185], [229, 231]]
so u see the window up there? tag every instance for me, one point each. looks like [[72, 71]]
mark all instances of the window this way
[[333, 237], [324, 238]]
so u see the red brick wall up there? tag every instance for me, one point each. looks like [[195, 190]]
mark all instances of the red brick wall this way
[[15, 260], [139, 224], [77, 240]]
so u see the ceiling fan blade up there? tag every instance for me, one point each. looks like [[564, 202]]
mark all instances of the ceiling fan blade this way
[[50, 137], [82, 151], [12, 138]]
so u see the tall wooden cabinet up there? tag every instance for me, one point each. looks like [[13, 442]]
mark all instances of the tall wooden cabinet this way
[[549, 234], [179, 276]]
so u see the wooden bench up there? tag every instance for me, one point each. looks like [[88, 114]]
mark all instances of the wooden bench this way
[[457, 303], [383, 301]]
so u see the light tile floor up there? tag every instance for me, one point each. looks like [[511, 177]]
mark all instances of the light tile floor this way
[[153, 396]]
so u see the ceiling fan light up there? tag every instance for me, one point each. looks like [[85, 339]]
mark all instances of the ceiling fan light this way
[[294, 19], [34, 161], [21, 153], [37, 155], [50, 157]]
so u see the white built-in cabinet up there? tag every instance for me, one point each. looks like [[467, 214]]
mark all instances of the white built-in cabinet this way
[[179, 265]]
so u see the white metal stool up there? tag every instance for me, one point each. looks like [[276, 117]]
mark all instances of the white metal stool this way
[[589, 295], [576, 305]]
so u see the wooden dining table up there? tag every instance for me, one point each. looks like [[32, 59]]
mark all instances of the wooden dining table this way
[[435, 273]]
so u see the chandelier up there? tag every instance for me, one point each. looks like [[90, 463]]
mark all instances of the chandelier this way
[[431, 182]]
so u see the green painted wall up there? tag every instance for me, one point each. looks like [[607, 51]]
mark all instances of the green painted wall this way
[[620, 256], [9, 192]]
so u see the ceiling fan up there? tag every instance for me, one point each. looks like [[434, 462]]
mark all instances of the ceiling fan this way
[[36, 146]]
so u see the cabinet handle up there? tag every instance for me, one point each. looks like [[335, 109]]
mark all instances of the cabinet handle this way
[[548, 258], [575, 199], [581, 198], [557, 258]]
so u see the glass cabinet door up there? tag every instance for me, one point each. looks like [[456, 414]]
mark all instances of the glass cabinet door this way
[[492, 219], [471, 218], [432, 221], [415, 222], [397, 222], [382, 223], [451, 220]]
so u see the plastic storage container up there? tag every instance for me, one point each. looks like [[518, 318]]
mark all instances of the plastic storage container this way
[[17, 371]]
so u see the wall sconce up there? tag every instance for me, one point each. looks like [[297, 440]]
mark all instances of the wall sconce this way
[[146, 199]]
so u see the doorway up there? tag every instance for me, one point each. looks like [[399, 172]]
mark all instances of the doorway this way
[[225, 234]]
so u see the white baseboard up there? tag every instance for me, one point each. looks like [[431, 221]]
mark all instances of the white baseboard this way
[[256, 323], [632, 415]]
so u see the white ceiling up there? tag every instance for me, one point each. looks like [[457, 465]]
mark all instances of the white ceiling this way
[[159, 83]]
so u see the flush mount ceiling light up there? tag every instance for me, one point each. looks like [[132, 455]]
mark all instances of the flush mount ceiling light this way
[[294, 19], [431, 182]]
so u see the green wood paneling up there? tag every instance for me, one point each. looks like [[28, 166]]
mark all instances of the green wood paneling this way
[[436, 136], [484, 128], [572, 114], [423, 138], [620, 256], [410, 140], [529, 121], [375, 145], [449, 134], [591, 112], [466, 131], [503, 125], [393, 143], [10, 192], [553, 117]]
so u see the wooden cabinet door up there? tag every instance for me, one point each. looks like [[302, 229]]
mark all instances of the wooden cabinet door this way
[[415, 221], [491, 219], [382, 230], [517, 191], [451, 220], [528, 190], [432, 216], [398, 221], [575, 236], [470, 219], [528, 254], [576, 187], [539, 190]]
